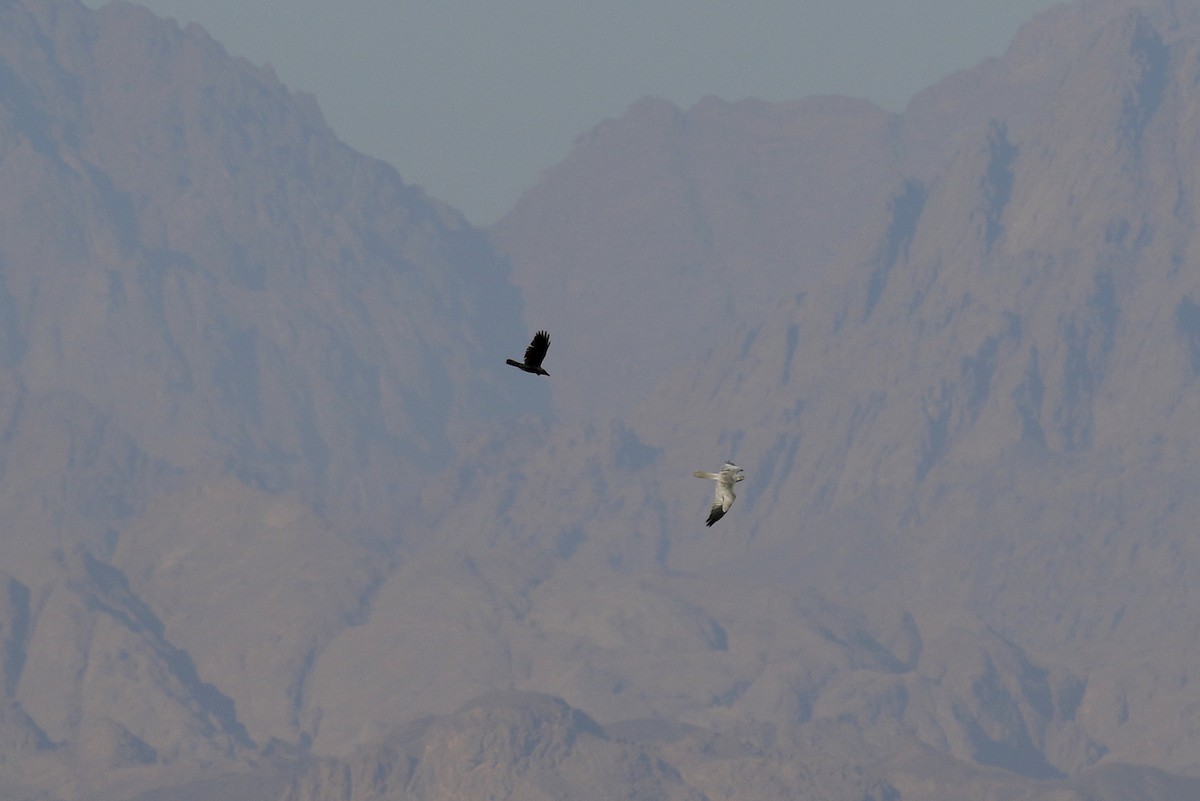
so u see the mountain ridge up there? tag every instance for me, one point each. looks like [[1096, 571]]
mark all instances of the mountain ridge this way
[[282, 523], [203, 292]]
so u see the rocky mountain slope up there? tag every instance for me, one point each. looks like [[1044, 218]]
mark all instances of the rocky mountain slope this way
[[697, 220], [281, 524], [980, 407], [967, 426], [524, 745], [230, 344]]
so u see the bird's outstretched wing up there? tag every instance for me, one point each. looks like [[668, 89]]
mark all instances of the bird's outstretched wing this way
[[721, 503], [537, 349]]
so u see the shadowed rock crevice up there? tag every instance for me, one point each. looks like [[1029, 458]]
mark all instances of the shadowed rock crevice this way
[[1027, 400], [997, 184], [14, 631], [106, 590], [1151, 67], [1089, 337], [904, 216], [1187, 326]]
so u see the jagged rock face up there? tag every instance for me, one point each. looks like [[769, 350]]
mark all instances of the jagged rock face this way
[[529, 746], [1039, 335], [984, 402], [691, 220], [1004, 368], [219, 328], [223, 241], [507, 745]]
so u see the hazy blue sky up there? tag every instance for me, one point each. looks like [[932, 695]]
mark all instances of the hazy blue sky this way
[[473, 98]]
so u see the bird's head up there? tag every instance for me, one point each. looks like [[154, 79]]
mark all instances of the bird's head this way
[[540, 371]]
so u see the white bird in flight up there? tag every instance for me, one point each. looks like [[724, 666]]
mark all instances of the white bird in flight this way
[[730, 474]]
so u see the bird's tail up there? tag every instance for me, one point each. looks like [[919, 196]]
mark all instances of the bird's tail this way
[[702, 474], [514, 364]]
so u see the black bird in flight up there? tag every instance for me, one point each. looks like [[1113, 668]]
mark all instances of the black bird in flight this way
[[534, 355]]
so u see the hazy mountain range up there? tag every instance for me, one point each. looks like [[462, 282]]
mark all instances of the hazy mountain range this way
[[280, 523]]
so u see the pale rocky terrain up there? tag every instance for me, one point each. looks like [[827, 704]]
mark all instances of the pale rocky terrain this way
[[279, 522]]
